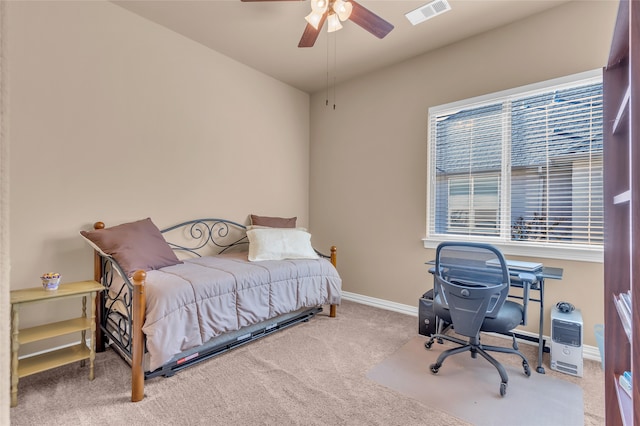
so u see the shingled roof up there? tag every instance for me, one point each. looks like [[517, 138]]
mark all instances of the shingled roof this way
[[570, 123]]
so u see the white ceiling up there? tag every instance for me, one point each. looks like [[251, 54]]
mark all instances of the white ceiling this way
[[265, 35]]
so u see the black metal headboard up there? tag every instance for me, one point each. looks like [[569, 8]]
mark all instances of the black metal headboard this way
[[201, 237]]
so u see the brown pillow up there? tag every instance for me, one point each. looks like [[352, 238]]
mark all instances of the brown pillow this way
[[135, 245], [274, 222]]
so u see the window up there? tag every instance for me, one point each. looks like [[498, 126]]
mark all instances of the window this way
[[521, 168]]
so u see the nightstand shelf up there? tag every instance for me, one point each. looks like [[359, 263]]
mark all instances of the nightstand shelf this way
[[34, 334], [55, 357]]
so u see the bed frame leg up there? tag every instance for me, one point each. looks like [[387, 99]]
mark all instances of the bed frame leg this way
[[97, 276], [137, 344], [334, 261]]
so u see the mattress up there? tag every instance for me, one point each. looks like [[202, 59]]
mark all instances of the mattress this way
[[189, 304]]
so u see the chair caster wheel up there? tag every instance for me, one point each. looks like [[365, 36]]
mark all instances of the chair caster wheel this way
[[428, 344], [503, 388], [527, 370], [434, 368], [540, 370]]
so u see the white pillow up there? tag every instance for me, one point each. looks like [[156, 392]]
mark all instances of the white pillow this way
[[279, 243], [250, 227]]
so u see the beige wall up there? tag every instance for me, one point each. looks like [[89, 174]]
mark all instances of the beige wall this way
[[369, 156], [115, 118]]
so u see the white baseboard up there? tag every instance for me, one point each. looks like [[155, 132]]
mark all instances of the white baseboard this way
[[588, 352]]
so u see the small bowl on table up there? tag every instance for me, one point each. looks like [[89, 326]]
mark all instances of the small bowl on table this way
[[50, 282]]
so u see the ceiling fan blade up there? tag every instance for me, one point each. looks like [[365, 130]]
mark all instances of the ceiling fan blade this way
[[369, 20], [310, 34]]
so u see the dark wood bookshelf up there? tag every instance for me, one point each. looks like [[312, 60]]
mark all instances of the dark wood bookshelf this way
[[622, 212]]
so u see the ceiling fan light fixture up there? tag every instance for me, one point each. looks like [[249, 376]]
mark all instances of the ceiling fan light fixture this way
[[314, 18], [335, 11], [333, 23], [319, 6], [343, 9]]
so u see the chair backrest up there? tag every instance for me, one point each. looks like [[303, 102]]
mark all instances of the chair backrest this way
[[472, 282]]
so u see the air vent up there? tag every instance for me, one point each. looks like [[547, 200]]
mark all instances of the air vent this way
[[428, 11]]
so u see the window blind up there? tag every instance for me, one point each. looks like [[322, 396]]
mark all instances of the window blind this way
[[523, 167]]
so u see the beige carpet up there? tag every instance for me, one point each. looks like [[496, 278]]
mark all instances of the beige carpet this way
[[314, 373], [469, 388]]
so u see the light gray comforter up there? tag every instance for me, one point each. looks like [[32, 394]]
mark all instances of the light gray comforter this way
[[190, 303]]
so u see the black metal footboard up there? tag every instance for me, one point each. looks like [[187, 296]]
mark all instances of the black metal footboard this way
[[116, 309]]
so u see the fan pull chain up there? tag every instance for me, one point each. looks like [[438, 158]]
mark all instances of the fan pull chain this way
[[331, 79], [327, 94], [335, 68]]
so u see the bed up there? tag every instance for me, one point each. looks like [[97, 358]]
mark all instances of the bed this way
[[181, 295]]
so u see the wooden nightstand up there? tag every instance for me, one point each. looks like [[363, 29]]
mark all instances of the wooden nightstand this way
[[59, 357]]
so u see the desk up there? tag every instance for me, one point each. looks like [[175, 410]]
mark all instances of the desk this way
[[541, 276], [538, 285]]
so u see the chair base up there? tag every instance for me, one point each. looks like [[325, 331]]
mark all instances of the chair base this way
[[474, 346]]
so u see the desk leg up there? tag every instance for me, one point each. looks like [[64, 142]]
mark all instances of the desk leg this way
[[540, 368]]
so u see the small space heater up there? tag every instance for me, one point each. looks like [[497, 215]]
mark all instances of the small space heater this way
[[566, 339]]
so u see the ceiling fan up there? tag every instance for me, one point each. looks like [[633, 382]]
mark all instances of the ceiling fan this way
[[335, 11]]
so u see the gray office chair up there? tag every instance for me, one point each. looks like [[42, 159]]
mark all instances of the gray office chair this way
[[471, 284]]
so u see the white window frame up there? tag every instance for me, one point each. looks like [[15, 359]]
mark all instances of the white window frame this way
[[530, 249]]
